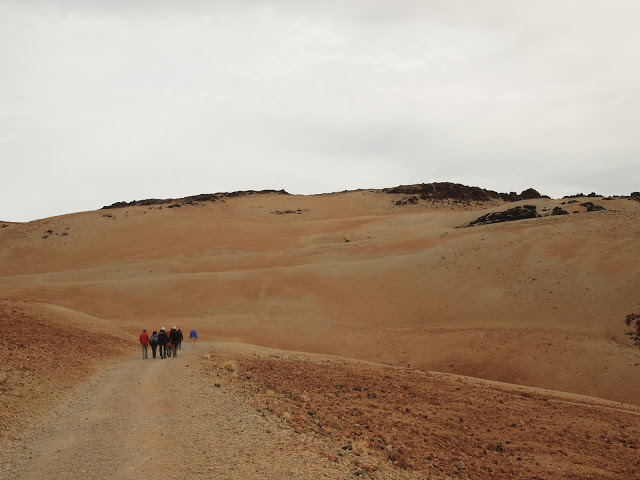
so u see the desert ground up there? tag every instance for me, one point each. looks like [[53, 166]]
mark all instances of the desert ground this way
[[369, 333]]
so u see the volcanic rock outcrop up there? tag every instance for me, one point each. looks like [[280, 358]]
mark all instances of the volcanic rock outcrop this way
[[457, 192], [592, 207], [191, 200], [510, 215]]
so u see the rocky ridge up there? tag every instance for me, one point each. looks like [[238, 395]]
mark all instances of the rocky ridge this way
[[191, 200], [459, 192]]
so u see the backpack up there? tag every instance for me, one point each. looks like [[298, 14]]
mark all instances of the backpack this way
[[153, 340]]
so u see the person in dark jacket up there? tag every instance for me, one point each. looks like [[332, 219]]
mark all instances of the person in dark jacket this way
[[153, 342], [163, 339], [175, 339], [181, 338]]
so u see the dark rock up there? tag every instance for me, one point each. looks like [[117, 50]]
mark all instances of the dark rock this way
[[579, 195], [516, 213], [456, 191], [633, 321], [592, 207], [530, 194], [559, 211], [286, 212], [191, 200]]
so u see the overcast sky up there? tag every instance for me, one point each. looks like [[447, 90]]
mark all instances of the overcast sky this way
[[118, 100]]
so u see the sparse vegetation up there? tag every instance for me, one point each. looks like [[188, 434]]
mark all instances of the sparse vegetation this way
[[230, 366], [360, 446], [375, 417], [286, 416]]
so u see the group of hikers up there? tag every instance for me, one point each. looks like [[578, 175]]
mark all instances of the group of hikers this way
[[169, 342]]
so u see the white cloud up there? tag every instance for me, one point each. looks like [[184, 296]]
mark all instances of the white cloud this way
[[192, 97]]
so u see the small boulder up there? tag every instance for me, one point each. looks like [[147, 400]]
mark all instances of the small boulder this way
[[559, 211]]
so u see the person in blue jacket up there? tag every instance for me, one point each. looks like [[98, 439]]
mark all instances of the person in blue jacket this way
[[193, 336]]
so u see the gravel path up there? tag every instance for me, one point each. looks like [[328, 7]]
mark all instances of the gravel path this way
[[162, 418]]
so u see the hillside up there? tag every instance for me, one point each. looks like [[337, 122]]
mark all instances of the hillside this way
[[385, 276]]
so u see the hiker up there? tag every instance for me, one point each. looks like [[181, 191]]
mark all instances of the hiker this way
[[167, 348], [144, 341], [180, 340], [175, 339], [153, 342], [162, 342], [193, 336]]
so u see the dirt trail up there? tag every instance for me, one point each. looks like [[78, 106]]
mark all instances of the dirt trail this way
[[161, 417]]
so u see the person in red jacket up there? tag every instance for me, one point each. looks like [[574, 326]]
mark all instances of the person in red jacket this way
[[144, 341], [167, 348]]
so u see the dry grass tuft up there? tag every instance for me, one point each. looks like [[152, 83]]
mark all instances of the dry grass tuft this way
[[286, 416], [360, 446], [230, 366]]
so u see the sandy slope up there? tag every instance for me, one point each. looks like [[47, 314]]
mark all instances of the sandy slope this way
[[537, 302], [47, 351]]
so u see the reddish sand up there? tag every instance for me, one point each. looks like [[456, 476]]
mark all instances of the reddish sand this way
[[443, 426], [537, 302], [47, 351]]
